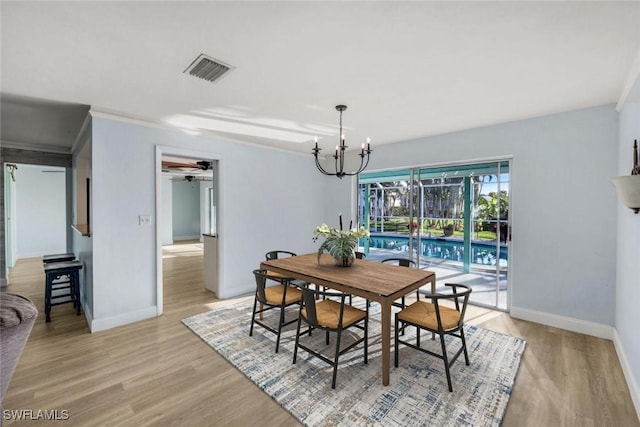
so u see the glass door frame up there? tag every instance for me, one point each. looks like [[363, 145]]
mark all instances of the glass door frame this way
[[416, 214]]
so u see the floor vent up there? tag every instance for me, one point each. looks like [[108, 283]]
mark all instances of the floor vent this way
[[207, 68]]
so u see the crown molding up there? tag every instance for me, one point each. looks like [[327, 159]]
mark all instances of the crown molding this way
[[632, 77], [202, 133], [35, 147], [83, 129]]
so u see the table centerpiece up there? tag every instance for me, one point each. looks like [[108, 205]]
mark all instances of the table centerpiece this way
[[340, 244]]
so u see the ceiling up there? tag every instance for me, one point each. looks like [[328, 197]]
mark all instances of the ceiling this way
[[404, 69], [36, 123]]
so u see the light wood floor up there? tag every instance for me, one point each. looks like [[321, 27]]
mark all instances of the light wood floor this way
[[157, 372]]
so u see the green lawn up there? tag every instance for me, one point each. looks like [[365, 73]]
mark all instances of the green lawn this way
[[401, 225]]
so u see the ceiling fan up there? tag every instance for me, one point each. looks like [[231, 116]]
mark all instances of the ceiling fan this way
[[201, 165]]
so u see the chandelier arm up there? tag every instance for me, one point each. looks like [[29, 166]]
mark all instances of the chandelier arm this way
[[315, 152], [320, 168], [366, 164], [360, 169], [363, 164], [363, 167]]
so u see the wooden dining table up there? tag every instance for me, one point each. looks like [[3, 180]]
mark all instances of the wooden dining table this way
[[374, 281]]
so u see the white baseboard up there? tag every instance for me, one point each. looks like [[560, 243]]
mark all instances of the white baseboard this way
[[569, 323], [632, 385], [122, 319], [235, 292], [87, 313], [181, 238], [39, 254]]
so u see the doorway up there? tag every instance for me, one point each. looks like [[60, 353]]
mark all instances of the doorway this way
[[186, 212], [453, 220], [35, 211]]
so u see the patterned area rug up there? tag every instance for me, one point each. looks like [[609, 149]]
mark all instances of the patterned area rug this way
[[417, 394]]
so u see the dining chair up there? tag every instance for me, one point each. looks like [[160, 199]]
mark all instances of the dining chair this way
[[277, 254], [330, 315], [273, 297], [359, 255], [437, 319], [403, 262]]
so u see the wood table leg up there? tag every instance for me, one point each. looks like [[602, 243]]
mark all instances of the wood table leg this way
[[386, 340]]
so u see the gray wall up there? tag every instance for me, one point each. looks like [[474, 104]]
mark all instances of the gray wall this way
[[628, 266], [83, 244], [41, 211], [186, 210], [563, 208], [167, 210], [271, 214]]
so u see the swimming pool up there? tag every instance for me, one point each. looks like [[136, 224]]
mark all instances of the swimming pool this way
[[453, 250]]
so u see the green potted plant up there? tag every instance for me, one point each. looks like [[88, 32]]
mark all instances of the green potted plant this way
[[340, 244]]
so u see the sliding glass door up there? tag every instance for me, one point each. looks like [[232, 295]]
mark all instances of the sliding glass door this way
[[453, 220]]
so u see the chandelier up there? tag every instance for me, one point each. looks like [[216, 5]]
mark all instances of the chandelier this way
[[339, 155]]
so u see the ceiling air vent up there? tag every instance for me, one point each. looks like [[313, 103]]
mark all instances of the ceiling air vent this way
[[207, 68]]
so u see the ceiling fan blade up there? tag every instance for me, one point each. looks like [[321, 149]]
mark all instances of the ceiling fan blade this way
[[202, 165], [179, 165]]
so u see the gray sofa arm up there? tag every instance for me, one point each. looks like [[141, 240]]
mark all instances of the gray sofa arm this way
[[17, 316]]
